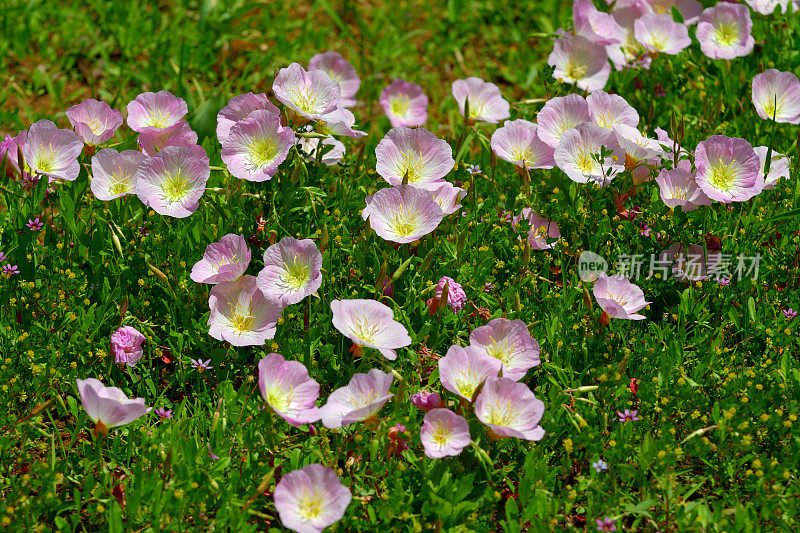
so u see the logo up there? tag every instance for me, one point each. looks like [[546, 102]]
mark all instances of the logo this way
[[590, 266]]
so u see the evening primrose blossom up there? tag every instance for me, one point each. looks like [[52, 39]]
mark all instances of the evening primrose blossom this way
[[609, 110], [724, 31], [155, 111], [288, 389], [109, 407], [484, 100], [444, 433], [402, 214], [370, 324], [509, 409], [580, 62], [777, 94], [576, 151], [256, 146], [310, 499], [172, 182], [292, 270], [94, 121], [240, 314], [416, 155], [239, 108], [311, 94], [50, 151], [225, 260], [339, 70], [560, 114], [619, 298], [509, 342], [404, 103], [463, 370], [659, 33], [361, 399], [518, 142], [728, 169]]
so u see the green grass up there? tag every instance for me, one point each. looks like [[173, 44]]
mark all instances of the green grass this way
[[719, 386]]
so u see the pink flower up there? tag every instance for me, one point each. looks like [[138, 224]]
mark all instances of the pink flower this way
[[659, 33], [416, 153], [518, 142], [50, 151], [126, 345], [463, 370], [109, 407], [292, 271], [641, 152], [402, 214], [679, 188], [510, 409], [240, 314], [485, 101], [727, 169], [155, 111], [34, 224], [153, 141], [10, 270], [371, 324], [426, 400], [579, 61], [256, 146], [597, 26], [560, 114], [777, 93], [201, 366], [310, 499], [311, 94], [340, 71], [288, 389], [225, 260], [779, 166], [767, 7], [724, 31], [606, 524], [541, 230], [172, 182], [509, 342], [114, 173], [456, 297], [239, 108], [163, 413], [94, 121], [340, 121], [444, 434], [404, 103], [619, 298], [448, 197], [789, 313], [576, 151], [361, 399], [689, 9], [609, 110], [628, 415]]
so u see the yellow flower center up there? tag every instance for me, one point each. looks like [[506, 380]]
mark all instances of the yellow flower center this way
[[120, 184], [156, 119], [45, 159], [501, 414], [175, 186], [364, 329], [442, 432], [399, 105], [279, 399], [403, 222], [501, 350], [584, 161], [262, 151], [297, 274], [242, 319], [308, 102], [310, 504], [723, 175], [727, 33]]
